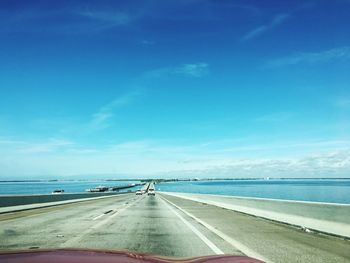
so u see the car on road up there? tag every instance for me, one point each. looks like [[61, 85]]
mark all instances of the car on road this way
[[139, 192], [151, 192]]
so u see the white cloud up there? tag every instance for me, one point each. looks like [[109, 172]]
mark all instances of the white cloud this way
[[194, 70], [277, 20], [32, 147], [147, 42], [340, 53], [161, 158], [101, 118], [335, 164]]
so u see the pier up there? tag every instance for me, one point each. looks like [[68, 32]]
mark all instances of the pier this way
[[111, 188], [167, 224]]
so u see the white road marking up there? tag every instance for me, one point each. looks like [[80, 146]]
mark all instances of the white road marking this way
[[210, 244], [247, 251], [74, 240], [97, 217]]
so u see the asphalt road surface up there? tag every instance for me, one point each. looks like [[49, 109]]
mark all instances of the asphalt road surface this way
[[168, 226]]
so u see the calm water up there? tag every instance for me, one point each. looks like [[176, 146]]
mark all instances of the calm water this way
[[332, 191], [7, 188]]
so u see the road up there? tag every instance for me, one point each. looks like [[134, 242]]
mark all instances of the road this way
[[168, 226]]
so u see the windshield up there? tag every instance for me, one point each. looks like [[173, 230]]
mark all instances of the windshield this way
[[184, 128]]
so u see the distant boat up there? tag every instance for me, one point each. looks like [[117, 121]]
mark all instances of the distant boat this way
[[58, 191]]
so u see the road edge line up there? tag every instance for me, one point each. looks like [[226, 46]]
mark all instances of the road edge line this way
[[247, 251], [209, 243]]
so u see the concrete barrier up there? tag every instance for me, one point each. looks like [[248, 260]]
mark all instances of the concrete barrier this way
[[324, 217], [15, 200]]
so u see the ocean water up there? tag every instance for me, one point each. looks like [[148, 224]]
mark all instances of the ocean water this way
[[43, 187], [320, 190]]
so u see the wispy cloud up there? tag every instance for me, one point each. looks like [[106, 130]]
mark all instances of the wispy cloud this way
[[161, 158], [8, 141], [101, 118], [109, 17], [49, 146], [340, 53], [331, 164], [285, 148], [31, 147], [147, 42], [195, 70], [64, 19], [277, 20]]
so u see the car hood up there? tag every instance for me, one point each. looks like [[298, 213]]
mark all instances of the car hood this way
[[107, 256]]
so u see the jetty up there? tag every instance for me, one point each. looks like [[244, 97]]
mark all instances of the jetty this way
[[111, 188]]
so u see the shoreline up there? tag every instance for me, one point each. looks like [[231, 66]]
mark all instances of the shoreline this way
[[172, 180]]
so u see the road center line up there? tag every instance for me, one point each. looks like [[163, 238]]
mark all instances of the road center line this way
[[97, 217], [225, 237], [210, 244]]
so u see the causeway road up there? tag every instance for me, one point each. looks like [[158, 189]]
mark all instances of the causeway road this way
[[168, 226]]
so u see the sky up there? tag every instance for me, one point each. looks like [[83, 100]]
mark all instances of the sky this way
[[185, 88]]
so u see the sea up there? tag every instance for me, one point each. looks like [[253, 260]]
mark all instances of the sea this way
[[314, 190], [47, 187]]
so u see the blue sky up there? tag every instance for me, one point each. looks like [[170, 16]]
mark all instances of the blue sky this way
[[194, 88]]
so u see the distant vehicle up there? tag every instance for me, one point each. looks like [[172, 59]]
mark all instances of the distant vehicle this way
[[139, 192], [58, 191], [151, 192]]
